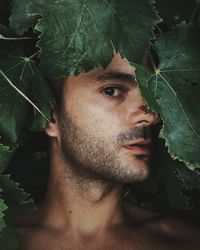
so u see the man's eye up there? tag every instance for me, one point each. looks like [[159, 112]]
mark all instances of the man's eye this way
[[112, 91]]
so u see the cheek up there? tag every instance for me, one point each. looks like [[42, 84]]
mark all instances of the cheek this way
[[94, 113], [103, 125]]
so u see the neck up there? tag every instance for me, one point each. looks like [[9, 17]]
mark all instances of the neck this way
[[81, 204]]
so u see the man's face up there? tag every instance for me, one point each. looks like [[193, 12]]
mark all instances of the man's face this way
[[104, 126]]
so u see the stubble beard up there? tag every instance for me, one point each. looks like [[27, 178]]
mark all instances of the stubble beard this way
[[92, 157]]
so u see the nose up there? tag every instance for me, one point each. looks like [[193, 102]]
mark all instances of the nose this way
[[141, 114], [149, 116]]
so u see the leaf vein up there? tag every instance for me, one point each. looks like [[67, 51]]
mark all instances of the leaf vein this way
[[193, 129]]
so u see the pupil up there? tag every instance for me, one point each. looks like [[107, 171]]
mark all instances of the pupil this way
[[110, 91]]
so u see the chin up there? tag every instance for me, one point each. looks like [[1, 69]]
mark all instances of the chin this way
[[137, 171], [143, 174], [128, 176]]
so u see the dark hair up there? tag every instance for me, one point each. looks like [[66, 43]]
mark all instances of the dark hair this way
[[57, 86]]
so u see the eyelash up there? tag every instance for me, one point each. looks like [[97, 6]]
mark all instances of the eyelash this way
[[113, 87]]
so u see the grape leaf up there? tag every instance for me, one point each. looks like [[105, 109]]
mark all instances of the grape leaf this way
[[24, 14], [16, 113], [76, 35], [191, 178], [5, 156], [17, 201], [174, 90]]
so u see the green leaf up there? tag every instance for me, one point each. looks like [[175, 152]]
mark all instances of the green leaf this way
[[17, 201], [25, 15], [5, 156], [191, 178], [3, 207], [143, 74], [174, 90], [78, 35], [16, 113]]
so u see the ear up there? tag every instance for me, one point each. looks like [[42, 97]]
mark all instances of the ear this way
[[52, 128]]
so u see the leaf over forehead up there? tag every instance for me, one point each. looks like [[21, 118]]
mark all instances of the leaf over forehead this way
[[76, 35], [174, 91]]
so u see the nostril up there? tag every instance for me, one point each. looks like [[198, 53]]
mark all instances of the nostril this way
[[144, 123], [145, 109], [142, 116]]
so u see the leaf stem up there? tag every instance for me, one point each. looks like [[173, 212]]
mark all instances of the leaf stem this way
[[23, 95], [34, 55], [15, 38]]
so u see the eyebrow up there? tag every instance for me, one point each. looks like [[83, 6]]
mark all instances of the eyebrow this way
[[125, 77]]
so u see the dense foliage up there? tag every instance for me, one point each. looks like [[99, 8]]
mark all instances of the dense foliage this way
[[41, 39]]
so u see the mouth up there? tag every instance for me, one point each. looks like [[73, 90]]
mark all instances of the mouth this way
[[140, 148]]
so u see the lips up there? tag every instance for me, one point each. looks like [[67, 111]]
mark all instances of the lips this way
[[140, 147]]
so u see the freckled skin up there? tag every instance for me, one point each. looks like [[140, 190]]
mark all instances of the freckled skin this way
[[84, 207]]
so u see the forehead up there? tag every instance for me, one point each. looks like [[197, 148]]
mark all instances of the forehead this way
[[117, 65]]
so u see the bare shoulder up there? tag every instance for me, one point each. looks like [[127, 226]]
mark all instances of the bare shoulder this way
[[164, 231], [146, 230], [31, 234], [179, 226], [181, 231]]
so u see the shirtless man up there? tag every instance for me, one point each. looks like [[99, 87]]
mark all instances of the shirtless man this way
[[99, 140]]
